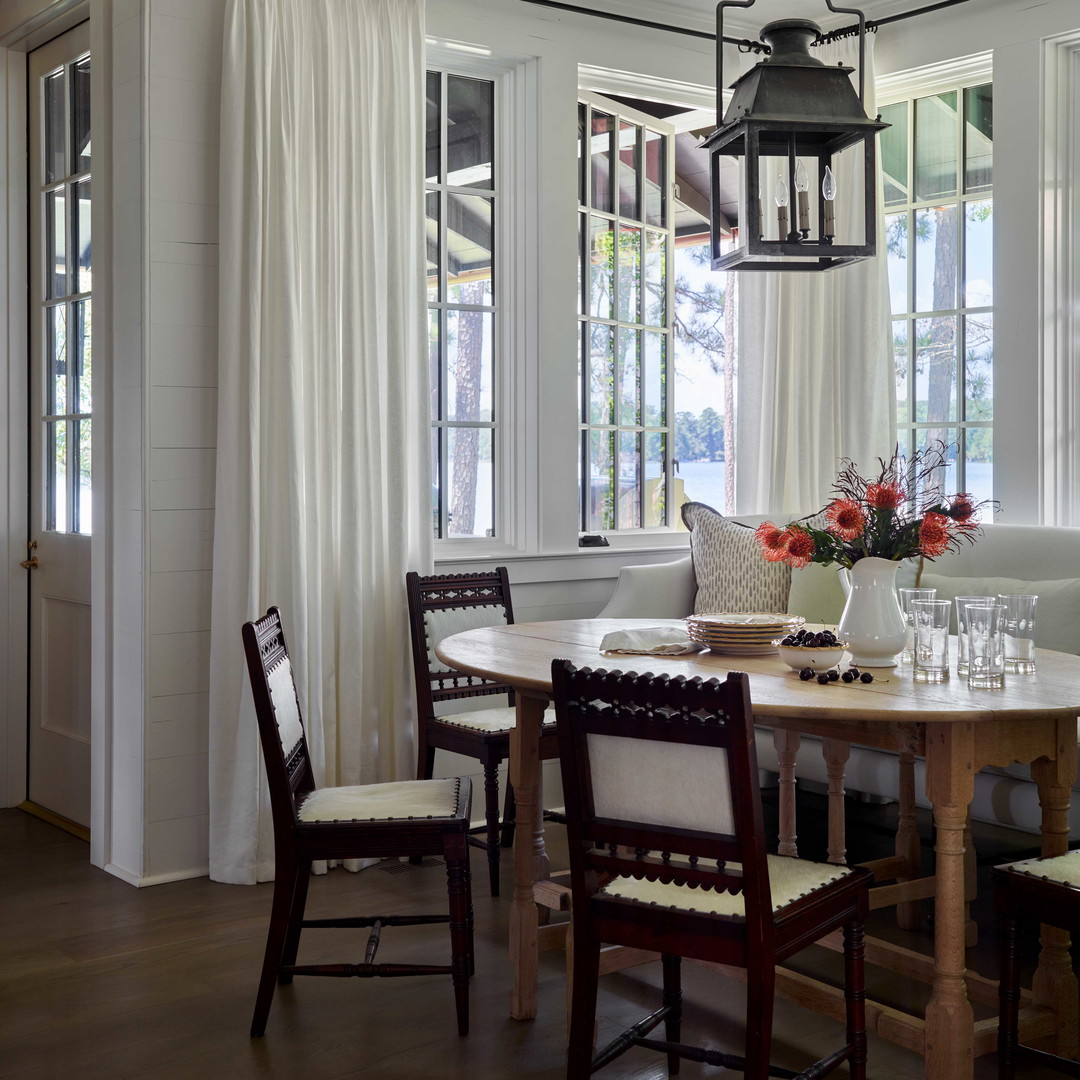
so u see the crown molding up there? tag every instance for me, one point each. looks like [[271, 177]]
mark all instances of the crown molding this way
[[701, 14], [922, 81]]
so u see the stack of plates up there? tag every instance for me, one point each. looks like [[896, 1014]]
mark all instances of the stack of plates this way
[[742, 633]]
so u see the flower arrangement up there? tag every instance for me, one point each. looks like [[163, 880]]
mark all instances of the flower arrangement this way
[[885, 517]]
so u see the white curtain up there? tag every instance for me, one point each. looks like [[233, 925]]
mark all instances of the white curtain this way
[[323, 483], [816, 380]]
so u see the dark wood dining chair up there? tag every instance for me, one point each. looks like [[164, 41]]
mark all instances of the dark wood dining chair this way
[[380, 821], [1043, 890], [667, 853], [445, 604]]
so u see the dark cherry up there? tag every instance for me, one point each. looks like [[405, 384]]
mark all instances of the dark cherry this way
[[866, 677]]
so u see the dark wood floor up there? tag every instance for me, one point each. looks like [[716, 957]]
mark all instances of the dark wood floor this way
[[98, 979]]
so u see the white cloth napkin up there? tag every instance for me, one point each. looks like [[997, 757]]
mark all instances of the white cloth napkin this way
[[650, 640]]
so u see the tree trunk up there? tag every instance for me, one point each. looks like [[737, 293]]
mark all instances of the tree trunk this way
[[941, 349]]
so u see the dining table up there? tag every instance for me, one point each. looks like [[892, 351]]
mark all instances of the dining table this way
[[957, 730]]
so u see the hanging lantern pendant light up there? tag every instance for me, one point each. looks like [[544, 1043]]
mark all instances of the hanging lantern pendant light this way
[[794, 107]]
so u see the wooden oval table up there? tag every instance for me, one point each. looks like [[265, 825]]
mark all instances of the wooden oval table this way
[[957, 730]]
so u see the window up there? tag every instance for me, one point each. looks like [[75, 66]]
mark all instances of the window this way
[[625, 243], [462, 213], [937, 159], [63, 186]]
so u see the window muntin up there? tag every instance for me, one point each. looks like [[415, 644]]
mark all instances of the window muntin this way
[[626, 238], [64, 188], [462, 221], [937, 158]]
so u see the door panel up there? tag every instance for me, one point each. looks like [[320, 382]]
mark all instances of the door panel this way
[[60, 372]]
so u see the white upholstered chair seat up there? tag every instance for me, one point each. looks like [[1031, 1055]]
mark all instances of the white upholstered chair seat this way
[[789, 879], [382, 802], [487, 720], [1064, 869]]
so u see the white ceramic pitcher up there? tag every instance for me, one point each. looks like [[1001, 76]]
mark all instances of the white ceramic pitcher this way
[[872, 623]]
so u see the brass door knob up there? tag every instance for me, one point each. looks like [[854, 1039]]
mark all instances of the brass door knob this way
[[30, 564]]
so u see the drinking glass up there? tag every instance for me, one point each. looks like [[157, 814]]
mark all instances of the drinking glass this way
[[986, 646], [1019, 632], [907, 597], [930, 620], [961, 629]]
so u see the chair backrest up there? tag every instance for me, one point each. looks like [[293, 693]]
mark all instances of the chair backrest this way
[[445, 604], [660, 782], [277, 708]]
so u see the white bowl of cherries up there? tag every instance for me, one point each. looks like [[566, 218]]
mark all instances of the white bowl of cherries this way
[[817, 654]]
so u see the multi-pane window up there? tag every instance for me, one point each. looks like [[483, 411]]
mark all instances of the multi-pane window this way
[[63, 186], [625, 238], [462, 200], [937, 159]]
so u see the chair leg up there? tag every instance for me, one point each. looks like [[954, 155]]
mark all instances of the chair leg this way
[[672, 966], [296, 917], [285, 884], [425, 768], [583, 987], [458, 885], [491, 813], [509, 816], [760, 990], [1008, 990], [425, 756], [855, 997]]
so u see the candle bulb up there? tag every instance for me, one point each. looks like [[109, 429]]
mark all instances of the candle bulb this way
[[828, 190], [802, 186], [781, 196]]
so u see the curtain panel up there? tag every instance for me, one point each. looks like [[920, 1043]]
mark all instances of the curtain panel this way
[[323, 469], [816, 378]]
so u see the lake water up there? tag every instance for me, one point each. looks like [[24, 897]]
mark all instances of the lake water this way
[[703, 481]]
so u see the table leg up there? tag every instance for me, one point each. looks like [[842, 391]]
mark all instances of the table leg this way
[[1055, 983], [836, 753], [787, 749], [907, 839], [530, 857], [950, 1033]]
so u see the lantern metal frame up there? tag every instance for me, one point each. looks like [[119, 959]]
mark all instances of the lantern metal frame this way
[[833, 120]]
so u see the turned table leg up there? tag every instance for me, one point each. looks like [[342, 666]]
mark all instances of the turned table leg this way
[[836, 753], [950, 1035], [530, 856], [787, 749], [1055, 983]]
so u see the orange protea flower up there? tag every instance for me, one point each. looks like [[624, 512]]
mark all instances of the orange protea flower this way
[[934, 535], [885, 496], [845, 518], [800, 547], [772, 540]]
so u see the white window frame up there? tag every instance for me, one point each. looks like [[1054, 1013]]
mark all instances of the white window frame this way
[[585, 427], [514, 474], [907, 86]]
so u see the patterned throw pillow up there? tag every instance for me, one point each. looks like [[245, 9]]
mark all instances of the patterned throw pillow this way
[[731, 574]]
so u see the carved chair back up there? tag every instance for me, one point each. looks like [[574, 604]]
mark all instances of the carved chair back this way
[[444, 604], [660, 782], [281, 727]]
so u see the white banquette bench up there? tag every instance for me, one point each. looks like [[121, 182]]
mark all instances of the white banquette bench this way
[[1042, 560]]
